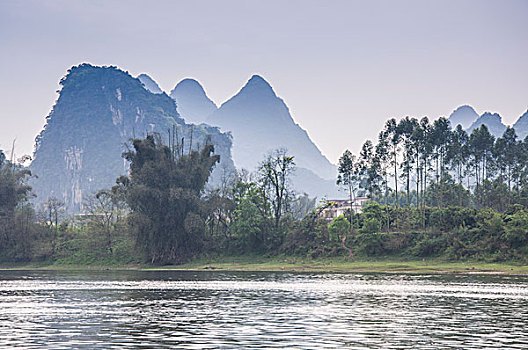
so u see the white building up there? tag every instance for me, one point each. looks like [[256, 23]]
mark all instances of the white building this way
[[339, 207]]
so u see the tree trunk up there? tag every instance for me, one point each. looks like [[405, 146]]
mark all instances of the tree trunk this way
[[396, 178]]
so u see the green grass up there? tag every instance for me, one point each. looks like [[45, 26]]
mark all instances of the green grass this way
[[54, 266], [291, 264], [258, 263]]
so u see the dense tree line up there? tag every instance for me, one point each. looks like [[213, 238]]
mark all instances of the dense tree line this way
[[416, 163], [16, 214], [161, 212], [434, 192]]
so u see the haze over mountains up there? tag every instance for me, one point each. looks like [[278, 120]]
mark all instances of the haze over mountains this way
[[98, 110], [463, 115], [193, 104], [149, 83], [492, 120], [470, 120], [521, 125], [260, 122]]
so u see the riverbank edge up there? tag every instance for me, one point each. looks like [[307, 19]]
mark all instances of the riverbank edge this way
[[292, 264]]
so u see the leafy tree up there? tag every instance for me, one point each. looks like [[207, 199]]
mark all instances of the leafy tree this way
[[457, 154], [516, 234], [14, 193], [451, 193], [481, 147], [251, 220], [338, 228], [371, 225], [406, 130], [53, 211], [163, 192], [107, 212], [440, 135], [390, 138], [382, 156], [424, 145], [348, 176], [274, 175], [506, 154], [370, 169]]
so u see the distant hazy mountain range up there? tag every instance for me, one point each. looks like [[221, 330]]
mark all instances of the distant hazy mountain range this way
[[259, 122], [100, 108], [470, 120]]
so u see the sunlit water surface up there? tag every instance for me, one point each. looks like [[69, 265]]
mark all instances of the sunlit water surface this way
[[197, 310]]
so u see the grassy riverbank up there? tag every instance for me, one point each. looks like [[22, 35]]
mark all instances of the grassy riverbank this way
[[292, 264], [346, 265]]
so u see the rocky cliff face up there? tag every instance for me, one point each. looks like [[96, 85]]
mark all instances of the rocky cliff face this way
[[193, 104], [98, 110], [260, 122]]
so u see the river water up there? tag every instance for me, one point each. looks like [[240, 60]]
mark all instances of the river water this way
[[202, 310]]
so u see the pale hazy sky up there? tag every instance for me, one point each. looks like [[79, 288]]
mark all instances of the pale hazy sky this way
[[343, 67]]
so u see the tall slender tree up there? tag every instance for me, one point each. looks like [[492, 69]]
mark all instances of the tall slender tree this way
[[390, 138], [440, 134], [506, 154], [457, 153], [348, 176], [481, 147], [406, 128]]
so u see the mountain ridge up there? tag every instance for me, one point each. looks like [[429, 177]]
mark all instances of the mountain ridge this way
[[192, 101], [492, 120], [149, 83], [464, 115], [260, 121], [98, 110], [521, 125]]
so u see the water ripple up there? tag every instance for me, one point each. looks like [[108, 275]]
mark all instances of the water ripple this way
[[140, 310]]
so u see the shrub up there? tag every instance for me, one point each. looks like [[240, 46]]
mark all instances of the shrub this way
[[371, 225]]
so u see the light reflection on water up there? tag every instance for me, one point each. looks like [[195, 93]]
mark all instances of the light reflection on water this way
[[196, 310]]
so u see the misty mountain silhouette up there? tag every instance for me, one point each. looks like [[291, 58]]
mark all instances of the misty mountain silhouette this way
[[463, 115], [149, 83], [492, 120], [192, 101], [260, 122], [521, 126], [98, 110]]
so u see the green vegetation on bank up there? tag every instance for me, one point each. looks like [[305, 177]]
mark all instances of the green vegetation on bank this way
[[255, 263], [453, 213], [344, 264]]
